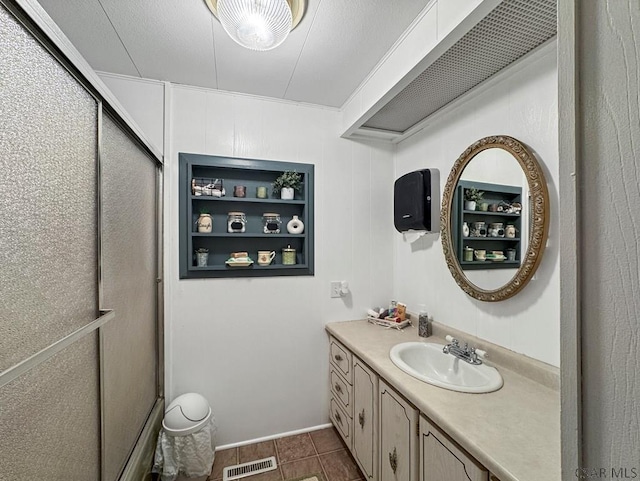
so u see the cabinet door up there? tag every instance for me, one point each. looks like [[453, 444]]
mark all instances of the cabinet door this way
[[365, 417], [398, 437], [442, 459]]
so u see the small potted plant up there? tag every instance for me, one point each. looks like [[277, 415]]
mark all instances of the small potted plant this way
[[471, 198], [287, 183], [202, 257]]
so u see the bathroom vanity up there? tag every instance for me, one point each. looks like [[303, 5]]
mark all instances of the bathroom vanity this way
[[399, 428]]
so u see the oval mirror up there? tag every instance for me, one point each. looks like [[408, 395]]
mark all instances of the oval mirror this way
[[494, 219]]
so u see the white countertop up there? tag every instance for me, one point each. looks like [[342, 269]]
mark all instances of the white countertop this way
[[514, 432]]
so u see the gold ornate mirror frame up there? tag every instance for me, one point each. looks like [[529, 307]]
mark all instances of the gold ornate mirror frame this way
[[539, 215]]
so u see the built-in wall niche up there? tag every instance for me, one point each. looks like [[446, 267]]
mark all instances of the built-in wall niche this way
[[491, 226], [243, 214]]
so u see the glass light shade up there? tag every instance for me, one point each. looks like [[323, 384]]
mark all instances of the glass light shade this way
[[256, 24]]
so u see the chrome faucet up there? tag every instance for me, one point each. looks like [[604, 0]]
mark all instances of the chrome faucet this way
[[466, 353]]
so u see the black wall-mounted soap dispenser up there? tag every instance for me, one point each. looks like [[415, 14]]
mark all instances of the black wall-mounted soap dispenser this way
[[416, 201]]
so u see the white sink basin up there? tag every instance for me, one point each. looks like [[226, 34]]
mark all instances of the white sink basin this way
[[427, 362]]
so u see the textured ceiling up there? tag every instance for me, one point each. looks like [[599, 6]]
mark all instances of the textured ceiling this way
[[322, 62]]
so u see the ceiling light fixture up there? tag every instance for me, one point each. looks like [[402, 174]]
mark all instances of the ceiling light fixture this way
[[258, 24]]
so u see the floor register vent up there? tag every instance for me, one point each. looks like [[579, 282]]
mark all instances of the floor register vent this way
[[249, 469]]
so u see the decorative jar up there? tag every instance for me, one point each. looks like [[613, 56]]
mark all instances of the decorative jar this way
[[204, 223], [236, 222], [288, 256], [510, 231], [479, 229], [496, 229], [261, 192], [271, 223]]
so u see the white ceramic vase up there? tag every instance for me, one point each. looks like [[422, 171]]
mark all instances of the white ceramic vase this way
[[287, 193], [295, 226]]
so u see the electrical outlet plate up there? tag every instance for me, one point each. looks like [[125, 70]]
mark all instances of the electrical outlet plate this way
[[336, 287]]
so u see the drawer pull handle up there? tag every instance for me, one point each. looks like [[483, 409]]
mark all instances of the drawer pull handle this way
[[338, 418], [393, 460], [337, 357], [338, 388], [361, 419]]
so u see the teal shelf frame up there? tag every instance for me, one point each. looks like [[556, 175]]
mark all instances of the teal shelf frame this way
[[251, 173], [494, 193]]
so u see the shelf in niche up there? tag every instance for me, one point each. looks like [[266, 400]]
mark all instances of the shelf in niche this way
[[254, 200], [471, 265], [501, 239], [245, 268], [487, 212], [249, 235]]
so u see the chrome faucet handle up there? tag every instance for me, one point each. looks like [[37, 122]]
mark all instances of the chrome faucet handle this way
[[472, 354], [476, 355]]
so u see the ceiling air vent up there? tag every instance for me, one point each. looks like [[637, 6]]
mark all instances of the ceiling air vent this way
[[512, 29]]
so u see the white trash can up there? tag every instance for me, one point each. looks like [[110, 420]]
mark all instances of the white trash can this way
[[186, 443]]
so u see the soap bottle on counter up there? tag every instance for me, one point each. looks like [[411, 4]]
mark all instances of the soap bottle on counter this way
[[424, 323]]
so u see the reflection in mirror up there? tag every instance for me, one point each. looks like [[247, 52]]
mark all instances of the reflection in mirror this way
[[497, 174], [492, 248]]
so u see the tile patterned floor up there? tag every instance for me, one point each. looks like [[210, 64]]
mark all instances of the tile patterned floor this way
[[301, 455]]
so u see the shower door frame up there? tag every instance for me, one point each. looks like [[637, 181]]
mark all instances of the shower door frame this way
[[35, 20]]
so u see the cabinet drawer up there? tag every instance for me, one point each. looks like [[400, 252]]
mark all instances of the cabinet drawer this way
[[341, 390], [341, 421], [341, 358]]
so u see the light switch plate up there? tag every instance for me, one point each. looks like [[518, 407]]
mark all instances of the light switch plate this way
[[336, 287]]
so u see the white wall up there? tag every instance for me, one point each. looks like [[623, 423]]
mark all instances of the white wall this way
[[256, 348], [521, 103], [144, 101]]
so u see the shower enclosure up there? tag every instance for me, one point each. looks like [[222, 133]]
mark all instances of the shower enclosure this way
[[80, 269]]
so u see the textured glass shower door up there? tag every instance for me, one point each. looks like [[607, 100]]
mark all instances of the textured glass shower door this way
[[129, 272], [78, 234], [50, 413]]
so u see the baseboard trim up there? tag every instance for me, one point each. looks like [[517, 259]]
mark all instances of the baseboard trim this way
[[275, 436]]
